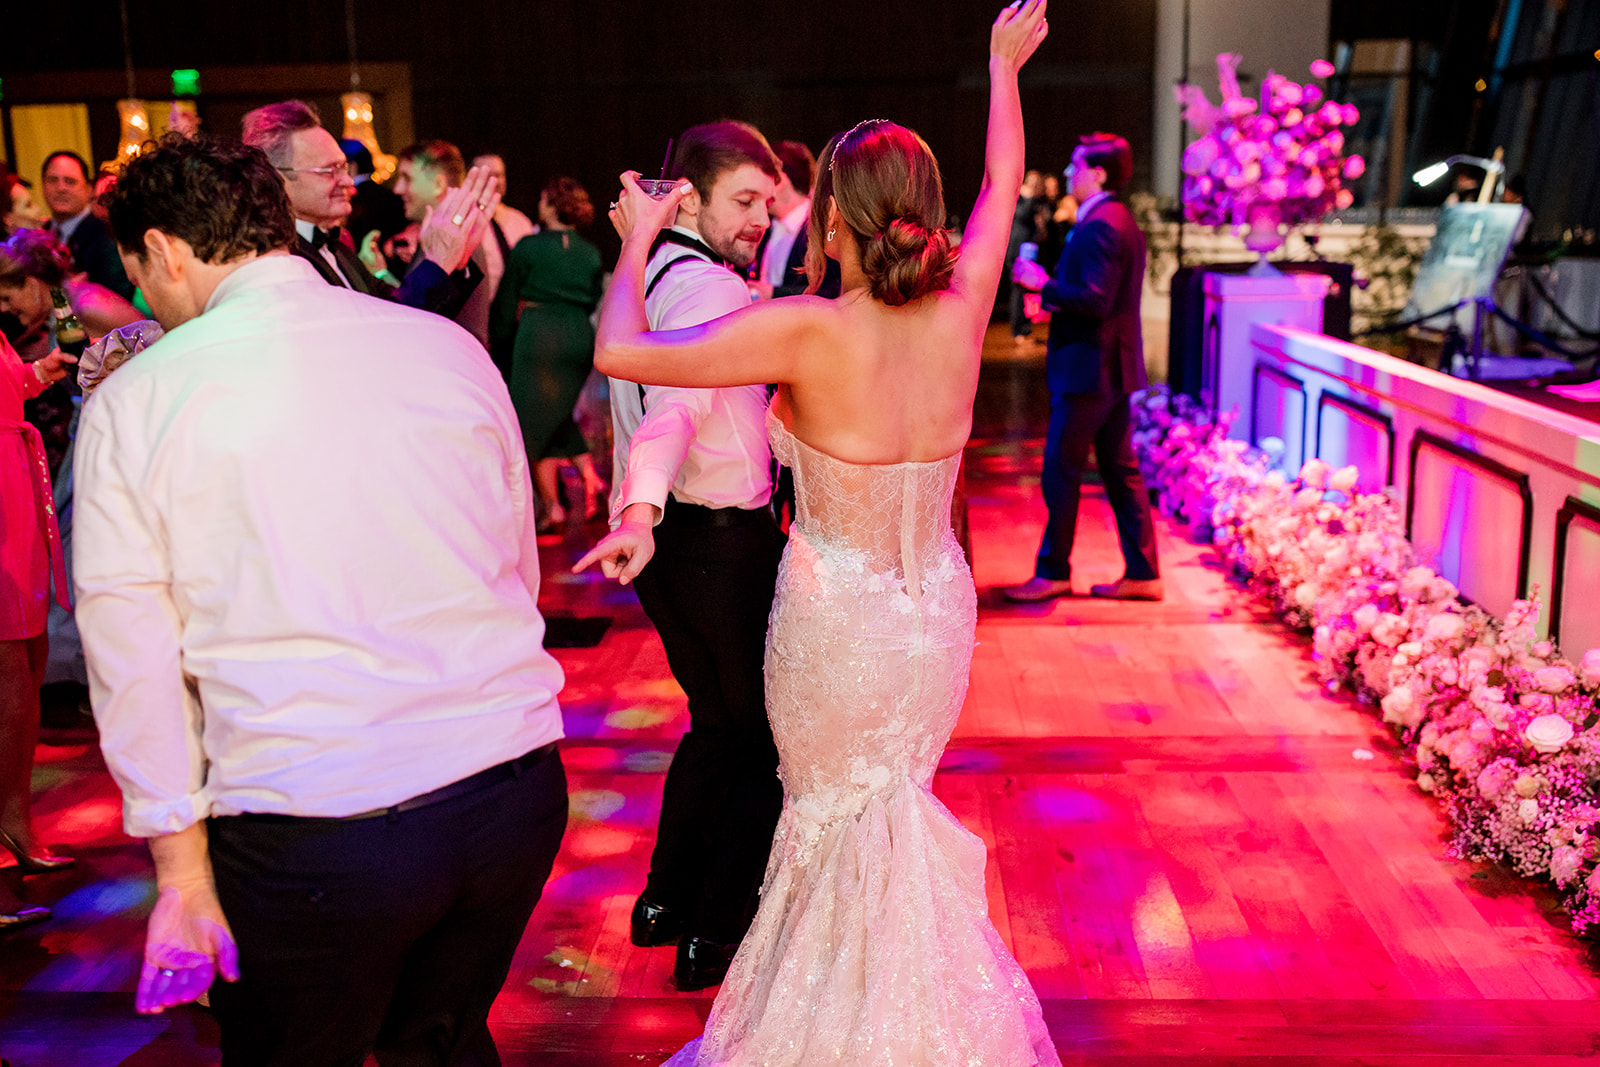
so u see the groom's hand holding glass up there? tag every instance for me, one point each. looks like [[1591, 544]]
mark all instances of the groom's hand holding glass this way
[[646, 212]]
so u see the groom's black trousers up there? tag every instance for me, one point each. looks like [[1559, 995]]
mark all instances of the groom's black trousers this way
[[708, 590]]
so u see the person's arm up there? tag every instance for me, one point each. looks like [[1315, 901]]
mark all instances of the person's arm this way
[[1094, 249], [34, 378], [1015, 35], [754, 345], [150, 723], [101, 310]]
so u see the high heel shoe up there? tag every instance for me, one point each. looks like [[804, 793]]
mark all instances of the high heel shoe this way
[[23, 916], [31, 864]]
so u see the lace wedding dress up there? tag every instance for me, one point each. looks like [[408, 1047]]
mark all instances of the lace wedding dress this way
[[872, 946]]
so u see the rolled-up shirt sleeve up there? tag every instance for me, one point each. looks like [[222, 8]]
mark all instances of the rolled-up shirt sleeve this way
[[150, 720], [660, 444]]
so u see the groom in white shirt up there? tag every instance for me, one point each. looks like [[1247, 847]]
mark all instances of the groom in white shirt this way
[[313, 638], [697, 462]]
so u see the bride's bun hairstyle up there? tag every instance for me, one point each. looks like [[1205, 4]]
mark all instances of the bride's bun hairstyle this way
[[886, 184]]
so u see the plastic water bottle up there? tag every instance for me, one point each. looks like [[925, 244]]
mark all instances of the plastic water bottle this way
[[1028, 250]]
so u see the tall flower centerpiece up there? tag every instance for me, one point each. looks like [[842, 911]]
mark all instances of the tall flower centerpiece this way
[[1266, 164]]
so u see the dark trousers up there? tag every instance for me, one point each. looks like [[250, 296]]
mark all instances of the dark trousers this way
[[391, 934], [708, 589], [1021, 326], [1078, 420]]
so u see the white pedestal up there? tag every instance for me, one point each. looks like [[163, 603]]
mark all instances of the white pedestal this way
[[1230, 377]]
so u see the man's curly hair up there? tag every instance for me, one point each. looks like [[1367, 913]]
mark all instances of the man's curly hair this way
[[220, 196]]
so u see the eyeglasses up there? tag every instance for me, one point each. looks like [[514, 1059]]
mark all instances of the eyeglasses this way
[[336, 171]]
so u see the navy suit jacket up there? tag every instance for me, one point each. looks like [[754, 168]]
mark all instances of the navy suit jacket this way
[[796, 269], [94, 251], [425, 286], [1096, 345]]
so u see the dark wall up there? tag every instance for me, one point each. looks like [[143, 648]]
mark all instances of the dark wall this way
[[591, 87]]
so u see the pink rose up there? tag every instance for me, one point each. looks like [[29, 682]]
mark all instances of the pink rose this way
[[1343, 199], [1344, 479], [1321, 68], [1354, 167], [1591, 667], [1352, 115]]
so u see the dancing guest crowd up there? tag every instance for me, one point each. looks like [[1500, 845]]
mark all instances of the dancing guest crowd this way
[[353, 801]]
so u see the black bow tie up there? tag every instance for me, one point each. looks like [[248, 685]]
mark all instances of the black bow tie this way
[[325, 238]]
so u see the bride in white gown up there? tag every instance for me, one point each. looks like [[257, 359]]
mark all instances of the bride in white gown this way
[[872, 946]]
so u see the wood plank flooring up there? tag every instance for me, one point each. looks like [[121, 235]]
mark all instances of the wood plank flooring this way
[[1184, 851]]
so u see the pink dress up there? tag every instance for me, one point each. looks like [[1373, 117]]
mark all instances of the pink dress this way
[[30, 547]]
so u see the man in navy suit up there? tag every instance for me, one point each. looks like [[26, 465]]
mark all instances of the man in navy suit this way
[[1095, 360], [69, 190]]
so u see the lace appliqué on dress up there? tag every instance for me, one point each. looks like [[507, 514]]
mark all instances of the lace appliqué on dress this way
[[873, 946]]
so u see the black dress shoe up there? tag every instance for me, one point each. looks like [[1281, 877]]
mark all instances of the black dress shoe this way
[[700, 963], [654, 925]]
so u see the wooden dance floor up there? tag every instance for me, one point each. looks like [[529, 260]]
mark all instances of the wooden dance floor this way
[[1185, 852]]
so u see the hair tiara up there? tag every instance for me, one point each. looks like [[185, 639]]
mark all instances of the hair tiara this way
[[846, 136]]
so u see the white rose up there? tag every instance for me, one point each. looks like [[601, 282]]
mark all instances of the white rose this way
[[1425, 782], [1398, 704], [1315, 473], [1528, 785], [1344, 479], [1446, 626], [1548, 733], [1528, 811], [1305, 595], [1554, 680], [1367, 614], [1593, 881]]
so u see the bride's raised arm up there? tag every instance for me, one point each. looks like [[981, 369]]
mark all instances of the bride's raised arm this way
[[1017, 32], [752, 346]]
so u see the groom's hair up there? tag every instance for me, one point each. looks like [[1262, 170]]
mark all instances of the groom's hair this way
[[709, 151], [1111, 154]]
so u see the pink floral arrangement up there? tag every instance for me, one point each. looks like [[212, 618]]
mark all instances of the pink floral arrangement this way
[[1501, 728], [1282, 155]]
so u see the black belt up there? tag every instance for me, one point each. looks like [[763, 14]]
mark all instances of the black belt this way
[[700, 515], [500, 772]]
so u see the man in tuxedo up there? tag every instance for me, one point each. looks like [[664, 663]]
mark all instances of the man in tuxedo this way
[[697, 462], [316, 175], [69, 193], [1095, 360], [781, 266]]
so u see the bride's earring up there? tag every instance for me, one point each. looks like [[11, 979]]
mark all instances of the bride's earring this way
[[831, 233]]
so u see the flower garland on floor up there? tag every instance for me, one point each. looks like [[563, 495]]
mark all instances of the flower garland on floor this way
[[1503, 729]]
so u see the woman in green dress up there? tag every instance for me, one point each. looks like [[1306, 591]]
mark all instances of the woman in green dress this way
[[541, 317]]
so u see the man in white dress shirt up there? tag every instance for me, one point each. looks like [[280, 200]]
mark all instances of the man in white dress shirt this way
[[313, 641], [697, 462]]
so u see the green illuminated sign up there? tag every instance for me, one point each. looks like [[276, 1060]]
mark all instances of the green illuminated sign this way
[[186, 82]]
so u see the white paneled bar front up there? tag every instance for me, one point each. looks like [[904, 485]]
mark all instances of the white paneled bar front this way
[[1501, 495]]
